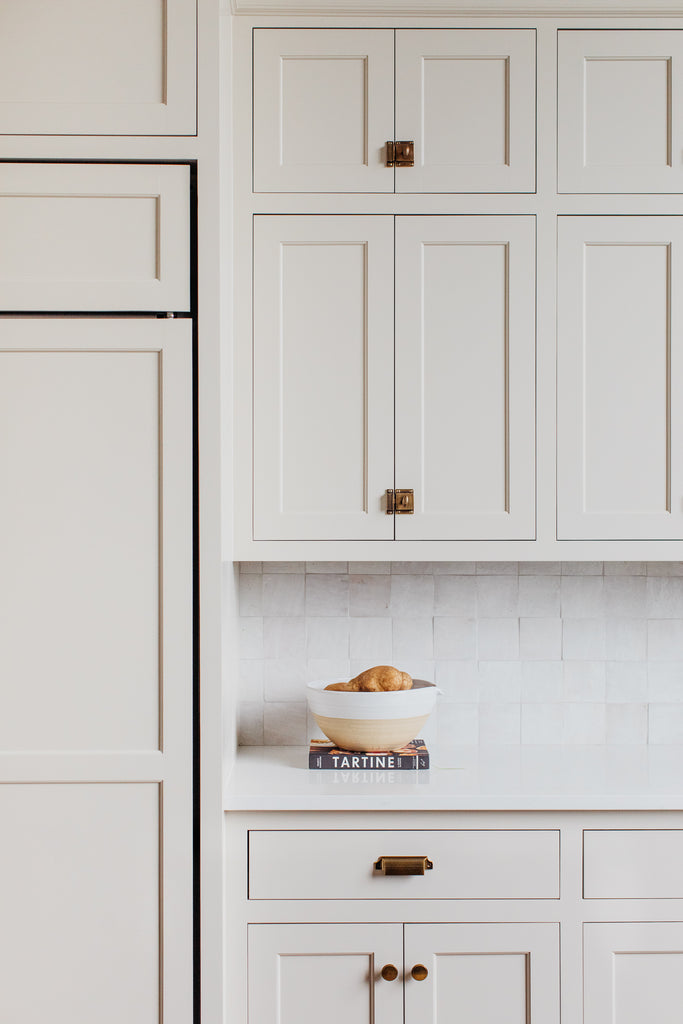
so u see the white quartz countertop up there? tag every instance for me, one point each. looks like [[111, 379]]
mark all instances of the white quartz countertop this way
[[468, 778]]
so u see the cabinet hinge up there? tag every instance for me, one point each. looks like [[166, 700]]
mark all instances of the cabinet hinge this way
[[400, 502], [400, 154]]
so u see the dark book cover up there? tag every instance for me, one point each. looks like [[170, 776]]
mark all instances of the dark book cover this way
[[324, 755]]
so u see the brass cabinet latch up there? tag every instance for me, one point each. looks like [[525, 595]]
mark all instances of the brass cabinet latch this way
[[403, 865], [400, 154], [400, 502]]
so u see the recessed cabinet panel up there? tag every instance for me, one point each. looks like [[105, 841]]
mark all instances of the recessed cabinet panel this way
[[465, 376], [96, 515], [79, 890], [323, 110], [302, 973], [620, 98], [633, 972], [632, 864], [323, 377], [508, 973], [98, 68], [94, 237], [619, 425], [468, 100]]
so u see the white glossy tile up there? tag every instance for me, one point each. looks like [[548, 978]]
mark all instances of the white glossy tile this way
[[625, 568], [371, 639], [665, 568], [251, 567], [497, 597], [250, 724], [582, 568], [583, 723], [337, 567], [250, 594], [499, 724], [454, 568], [541, 723], [327, 594], [539, 596], [411, 568], [369, 595], [497, 568], [419, 668], [286, 567], [584, 682], [412, 595], [626, 723], [583, 639], [459, 681], [665, 682], [582, 597], [541, 682], [498, 639], [334, 670], [327, 637], [540, 639], [665, 597], [413, 638], [626, 639], [455, 639], [626, 596], [284, 638], [540, 568], [500, 682], [665, 640], [370, 568], [455, 595], [283, 594], [457, 725], [251, 638], [285, 725], [251, 680], [284, 679], [627, 682], [665, 723]]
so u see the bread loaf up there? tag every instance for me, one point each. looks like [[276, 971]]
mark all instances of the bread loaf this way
[[375, 680]]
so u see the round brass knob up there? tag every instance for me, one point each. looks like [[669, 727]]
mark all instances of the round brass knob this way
[[419, 972], [389, 972]]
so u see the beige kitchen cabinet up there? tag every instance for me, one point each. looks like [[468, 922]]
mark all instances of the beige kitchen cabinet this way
[[325, 342], [325, 108], [84, 68], [620, 99], [620, 431]]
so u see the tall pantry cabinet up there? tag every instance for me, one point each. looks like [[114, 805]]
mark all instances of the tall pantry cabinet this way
[[96, 515]]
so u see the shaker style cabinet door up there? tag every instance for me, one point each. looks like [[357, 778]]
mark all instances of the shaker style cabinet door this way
[[620, 105], [323, 377], [633, 972], [307, 973], [467, 98], [323, 110], [465, 376], [619, 411], [476, 973], [96, 68]]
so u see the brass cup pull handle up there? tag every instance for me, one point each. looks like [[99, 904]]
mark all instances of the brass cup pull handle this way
[[389, 972], [419, 972], [403, 865]]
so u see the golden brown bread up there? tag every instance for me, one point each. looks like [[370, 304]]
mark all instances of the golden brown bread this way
[[375, 680]]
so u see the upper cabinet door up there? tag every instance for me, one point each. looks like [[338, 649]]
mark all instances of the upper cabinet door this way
[[97, 68], [323, 110], [620, 434], [323, 377], [467, 98], [465, 377], [620, 103]]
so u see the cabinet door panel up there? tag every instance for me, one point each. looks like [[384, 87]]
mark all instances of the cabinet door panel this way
[[508, 973], [465, 376], [620, 98], [323, 377], [302, 973], [124, 68], [468, 100], [323, 110], [619, 428], [633, 972], [79, 890]]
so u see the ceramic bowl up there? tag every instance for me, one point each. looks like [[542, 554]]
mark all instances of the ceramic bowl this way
[[371, 721]]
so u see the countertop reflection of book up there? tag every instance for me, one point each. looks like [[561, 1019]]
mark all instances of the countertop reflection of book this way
[[324, 755]]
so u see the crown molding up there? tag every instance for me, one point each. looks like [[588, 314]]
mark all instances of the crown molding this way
[[461, 8]]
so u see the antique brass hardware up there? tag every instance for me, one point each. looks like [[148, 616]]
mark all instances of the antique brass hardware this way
[[403, 865], [401, 154], [400, 502], [389, 972], [419, 972]]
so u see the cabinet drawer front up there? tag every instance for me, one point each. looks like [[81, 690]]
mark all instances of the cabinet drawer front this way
[[467, 865], [94, 237], [633, 864]]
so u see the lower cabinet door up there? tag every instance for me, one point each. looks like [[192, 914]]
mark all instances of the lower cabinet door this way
[[482, 974], [633, 972], [306, 973]]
